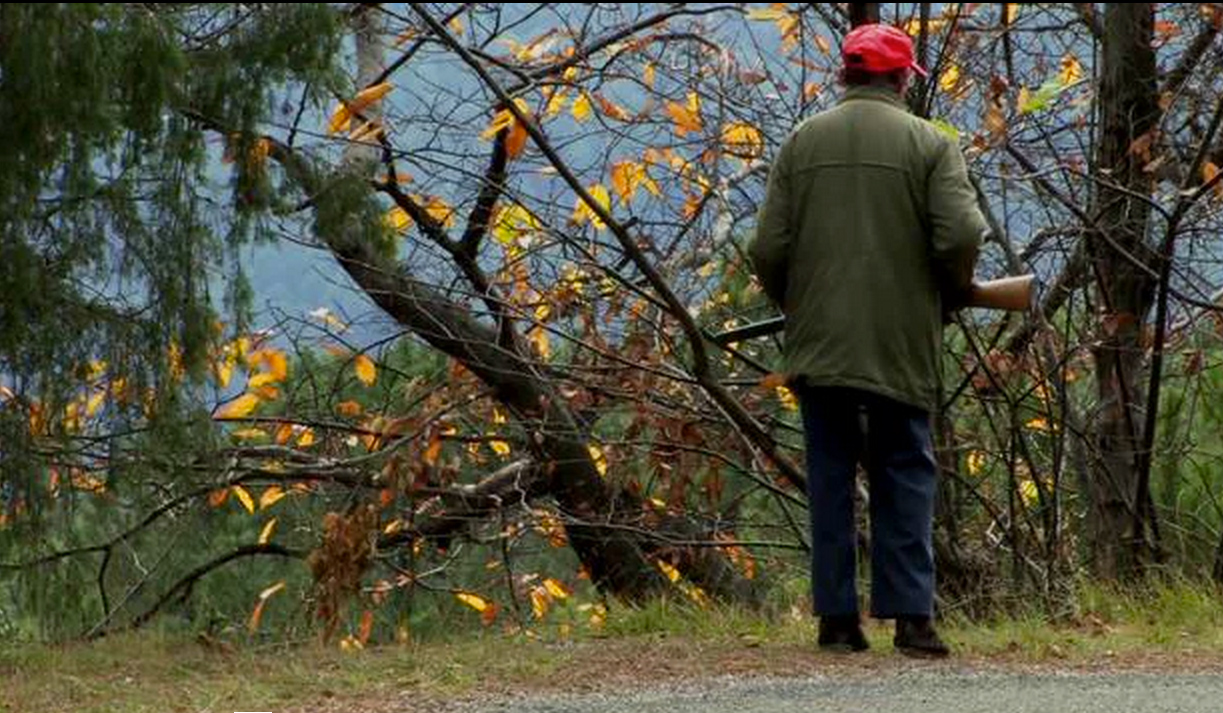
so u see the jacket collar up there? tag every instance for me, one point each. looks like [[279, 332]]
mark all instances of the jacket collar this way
[[883, 94]]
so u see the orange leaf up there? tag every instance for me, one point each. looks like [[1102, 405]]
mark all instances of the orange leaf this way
[[256, 616], [772, 381], [217, 498], [611, 109], [1209, 172], [516, 141], [366, 371], [367, 627], [245, 498], [434, 451], [349, 408], [369, 96], [284, 433], [687, 117]]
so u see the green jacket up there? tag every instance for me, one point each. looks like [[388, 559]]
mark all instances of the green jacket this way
[[869, 224]]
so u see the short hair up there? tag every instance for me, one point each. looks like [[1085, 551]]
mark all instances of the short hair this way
[[859, 77]]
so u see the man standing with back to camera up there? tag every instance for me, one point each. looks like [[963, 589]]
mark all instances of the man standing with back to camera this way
[[867, 236]]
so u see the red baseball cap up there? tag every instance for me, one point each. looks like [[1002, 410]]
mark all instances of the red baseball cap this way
[[879, 48]]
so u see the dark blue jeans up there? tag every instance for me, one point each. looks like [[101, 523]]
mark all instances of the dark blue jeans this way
[[892, 440]]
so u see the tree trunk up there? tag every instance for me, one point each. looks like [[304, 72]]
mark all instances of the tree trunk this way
[[1129, 112], [1218, 573], [863, 13], [613, 532]]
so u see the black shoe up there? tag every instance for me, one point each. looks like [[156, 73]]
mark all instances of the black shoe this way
[[842, 634], [916, 637]]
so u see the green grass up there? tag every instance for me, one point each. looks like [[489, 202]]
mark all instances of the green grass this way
[[168, 672]]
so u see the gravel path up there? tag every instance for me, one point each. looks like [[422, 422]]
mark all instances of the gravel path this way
[[938, 691]]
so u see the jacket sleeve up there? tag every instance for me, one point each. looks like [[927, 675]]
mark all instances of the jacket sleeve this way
[[769, 250], [957, 227]]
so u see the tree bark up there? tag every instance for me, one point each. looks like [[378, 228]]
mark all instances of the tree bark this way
[[863, 13], [1129, 114], [1218, 573]]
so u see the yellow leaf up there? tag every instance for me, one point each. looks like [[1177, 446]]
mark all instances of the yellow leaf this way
[[261, 379], [671, 573], [250, 434], [240, 407], [1012, 12], [543, 345], [457, 26], [270, 591], [341, 119], [647, 74], [273, 361], [349, 408], [367, 372], [976, 463], [821, 43], [271, 496], [583, 213], [245, 498], [1071, 71], [540, 602], [369, 132], [766, 14], [265, 535], [440, 211], [499, 447], [514, 222], [600, 460], [950, 78], [556, 102], [224, 371], [397, 219], [306, 439], [1029, 492], [1039, 424], [556, 589], [933, 25], [788, 401], [581, 107], [742, 140], [94, 403], [475, 601]]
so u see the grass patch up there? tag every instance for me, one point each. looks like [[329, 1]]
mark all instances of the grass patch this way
[[663, 640]]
